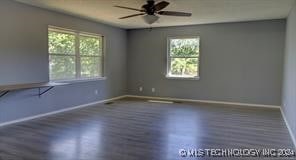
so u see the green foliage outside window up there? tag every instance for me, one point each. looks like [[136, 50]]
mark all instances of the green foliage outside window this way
[[90, 55], [66, 61], [61, 43], [62, 59], [89, 46], [184, 47], [62, 67], [186, 67], [184, 57]]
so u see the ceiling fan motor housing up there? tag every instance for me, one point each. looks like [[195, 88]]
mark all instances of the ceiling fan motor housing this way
[[149, 7]]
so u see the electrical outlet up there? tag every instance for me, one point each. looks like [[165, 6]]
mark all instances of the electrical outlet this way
[[153, 89], [96, 92], [140, 89]]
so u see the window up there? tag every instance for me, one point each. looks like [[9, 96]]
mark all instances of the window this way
[[74, 55], [183, 57]]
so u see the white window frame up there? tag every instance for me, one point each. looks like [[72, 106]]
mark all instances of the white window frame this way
[[77, 55], [168, 70]]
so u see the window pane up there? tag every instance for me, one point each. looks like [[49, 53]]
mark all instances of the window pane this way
[[90, 45], [61, 43], [184, 47], [62, 67], [91, 67], [184, 67]]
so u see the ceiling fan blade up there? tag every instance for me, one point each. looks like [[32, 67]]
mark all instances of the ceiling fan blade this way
[[133, 15], [161, 5], [173, 13], [130, 8]]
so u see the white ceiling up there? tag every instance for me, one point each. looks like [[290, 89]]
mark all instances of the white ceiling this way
[[203, 11]]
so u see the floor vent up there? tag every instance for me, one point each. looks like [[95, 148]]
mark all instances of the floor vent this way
[[178, 102], [109, 103], [159, 101]]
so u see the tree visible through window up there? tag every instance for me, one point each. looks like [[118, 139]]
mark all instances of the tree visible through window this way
[[183, 57], [74, 55]]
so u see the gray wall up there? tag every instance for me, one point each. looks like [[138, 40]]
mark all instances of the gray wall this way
[[289, 82], [24, 59], [240, 62]]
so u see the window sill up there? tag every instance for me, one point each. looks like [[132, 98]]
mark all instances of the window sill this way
[[183, 78], [82, 80]]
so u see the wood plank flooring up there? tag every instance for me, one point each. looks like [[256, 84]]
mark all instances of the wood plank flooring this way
[[133, 129]]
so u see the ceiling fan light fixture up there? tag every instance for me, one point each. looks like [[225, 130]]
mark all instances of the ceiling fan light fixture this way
[[150, 19], [151, 10]]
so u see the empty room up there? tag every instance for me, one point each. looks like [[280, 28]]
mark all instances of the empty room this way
[[147, 79]]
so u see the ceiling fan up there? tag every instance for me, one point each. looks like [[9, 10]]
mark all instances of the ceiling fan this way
[[150, 10]]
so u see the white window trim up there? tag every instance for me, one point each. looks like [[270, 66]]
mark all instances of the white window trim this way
[[78, 78], [168, 67]]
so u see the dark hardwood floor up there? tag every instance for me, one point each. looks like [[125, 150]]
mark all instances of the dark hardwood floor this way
[[132, 129]]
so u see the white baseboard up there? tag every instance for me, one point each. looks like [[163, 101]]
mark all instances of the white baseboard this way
[[204, 101], [155, 98], [222, 102], [59, 111], [135, 96], [289, 128]]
